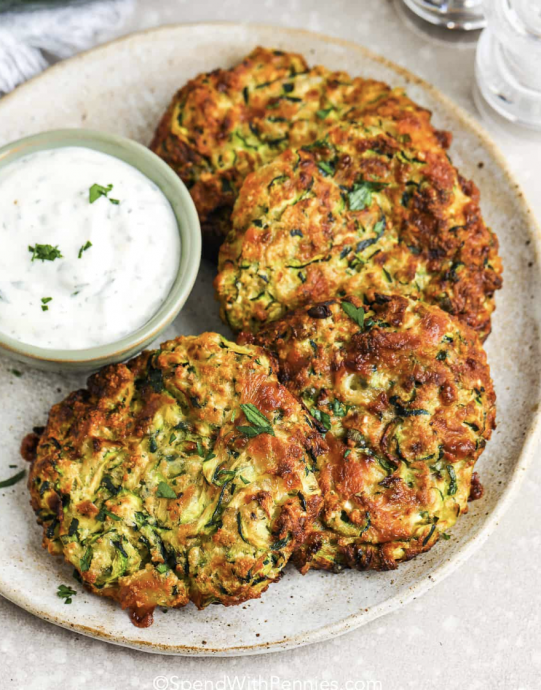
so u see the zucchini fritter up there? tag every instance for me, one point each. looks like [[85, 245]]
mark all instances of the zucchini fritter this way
[[186, 474], [225, 124], [404, 392], [354, 210]]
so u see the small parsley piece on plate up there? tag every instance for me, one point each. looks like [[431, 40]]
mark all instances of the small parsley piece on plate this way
[[66, 593], [259, 423], [165, 491], [85, 246], [355, 313], [45, 252], [98, 190], [13, 480]]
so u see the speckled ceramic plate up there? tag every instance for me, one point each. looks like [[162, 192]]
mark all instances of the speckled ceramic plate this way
[[123, 87]]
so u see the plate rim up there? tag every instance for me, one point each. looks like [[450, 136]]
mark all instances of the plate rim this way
[[531, 437]]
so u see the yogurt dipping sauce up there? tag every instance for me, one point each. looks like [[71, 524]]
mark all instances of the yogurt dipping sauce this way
[[89, 248]]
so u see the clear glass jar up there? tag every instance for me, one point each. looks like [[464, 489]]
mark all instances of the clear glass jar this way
[[508, 60], [452, 14]]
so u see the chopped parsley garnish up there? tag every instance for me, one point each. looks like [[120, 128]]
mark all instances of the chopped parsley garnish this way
[[322, 417], [16, 373], [98, 190], [453, 486], [44, 302], [45, 252], [322, 114], [66, 593], [12, 480], [361, 195], [259, 423], [103, 512], [84, 248], [326, 168], [86, 560], [339, 409], [355, 313], [165, 491]]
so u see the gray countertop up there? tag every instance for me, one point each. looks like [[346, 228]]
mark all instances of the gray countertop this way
[[481, 627]]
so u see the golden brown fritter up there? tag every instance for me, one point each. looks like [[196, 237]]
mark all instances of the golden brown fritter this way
[[186, 474], [225, 124], [404, 392], [357, 209]]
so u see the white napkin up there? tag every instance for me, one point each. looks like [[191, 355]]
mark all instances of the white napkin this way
[[30, 40]]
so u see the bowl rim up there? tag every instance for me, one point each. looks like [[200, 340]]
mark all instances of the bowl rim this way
[[189, 229]]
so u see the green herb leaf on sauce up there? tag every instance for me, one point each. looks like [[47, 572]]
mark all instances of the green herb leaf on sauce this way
[[45, 300], [85, 246], [165, 491], [13, 480], [355, 313], [98, 190], [66, 593], [45, 252]]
